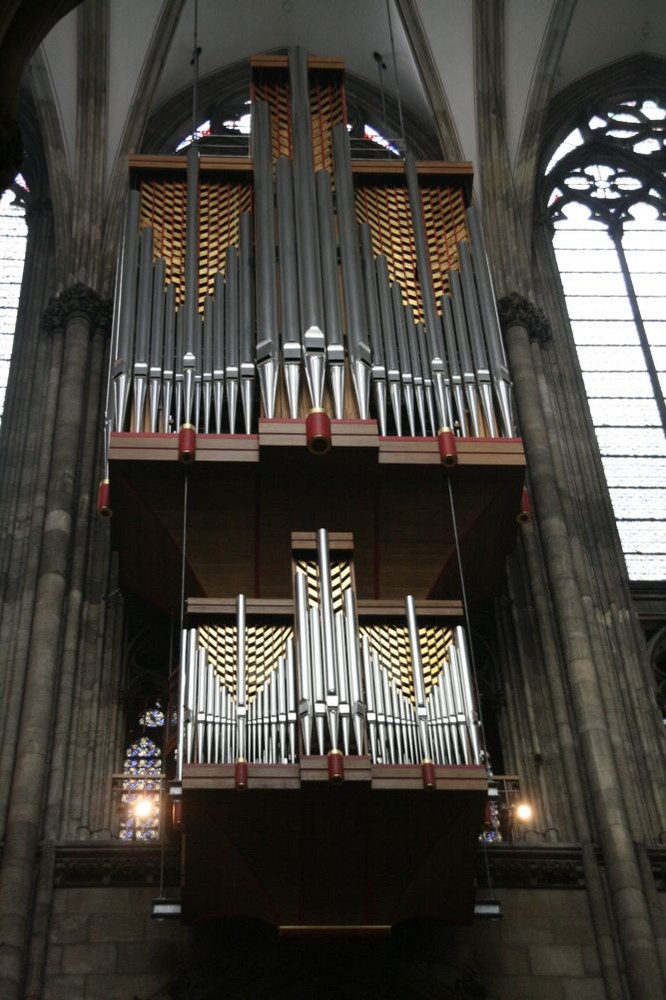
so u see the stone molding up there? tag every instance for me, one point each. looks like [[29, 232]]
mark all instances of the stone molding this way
[[515, 310], [114, 864]]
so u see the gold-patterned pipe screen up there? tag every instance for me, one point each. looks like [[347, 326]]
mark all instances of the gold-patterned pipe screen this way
[[221, 203], [264, 645], [391, 643]]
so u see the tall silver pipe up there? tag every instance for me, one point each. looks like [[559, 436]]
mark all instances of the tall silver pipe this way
[[417, 371], [169, 352], [306, 203], [422, 258], [371, 713], [142, 330], [207, 361], [378, 688], [190, 697], [454, 364], [459, 703], [281, 684], [264, 225], [355, 684], [191, 280], [318, 678], [156, 342], [328, 248], [390, 344], [231, 370], [427, 377], [390, 718], [217, 717], [471, 712], [498, 363], [451, 713], [292, 350], [328, 635], [465, 351], [292, 712], [357, 338], [405, 358], [218, 351], [246, 322], [127, 308], [417, 671], [241, 697], [210, 710], [306, 694], [374, 326], [178, 367], [273, 694], [476, 337], [183, 679], [344, 703]]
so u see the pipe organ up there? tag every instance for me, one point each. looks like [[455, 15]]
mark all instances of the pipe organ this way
[[324, 750], [295, 282], [332, 680]]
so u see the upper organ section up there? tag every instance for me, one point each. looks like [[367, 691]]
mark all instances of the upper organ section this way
[[298, 280]]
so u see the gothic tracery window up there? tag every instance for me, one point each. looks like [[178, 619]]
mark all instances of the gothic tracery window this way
[[606, 192], [142, 782], [13, 235]]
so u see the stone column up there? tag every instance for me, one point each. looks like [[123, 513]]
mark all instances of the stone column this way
[[79, 306], [522, 323]]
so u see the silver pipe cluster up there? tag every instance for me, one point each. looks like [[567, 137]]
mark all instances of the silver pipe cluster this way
[[333, 685], [304, 295]]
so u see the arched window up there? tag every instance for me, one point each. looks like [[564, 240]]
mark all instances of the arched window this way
[[13, 235], [141, 785], [606, 196]]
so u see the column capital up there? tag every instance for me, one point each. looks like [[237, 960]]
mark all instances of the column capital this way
[[515, 310], [80, 300], [53, 317]]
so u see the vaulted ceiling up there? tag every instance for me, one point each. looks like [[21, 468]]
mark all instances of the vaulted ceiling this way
[[597, 33]]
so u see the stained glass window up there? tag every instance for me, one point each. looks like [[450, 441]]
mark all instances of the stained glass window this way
[[606, 195], [13, 235], [142, 783]]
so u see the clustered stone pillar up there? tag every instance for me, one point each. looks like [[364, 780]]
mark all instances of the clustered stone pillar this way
[[522, 323], [73, 318]]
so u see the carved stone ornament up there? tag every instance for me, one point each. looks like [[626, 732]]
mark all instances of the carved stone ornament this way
[[514, 310], [53, 317], [103, 317], [80, 300]]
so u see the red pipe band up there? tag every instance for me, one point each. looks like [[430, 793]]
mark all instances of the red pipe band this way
[[448, 452], [103, 499], [318, 432], [187, 444], [428, 773], [177, 813], [336, 767], [240, 774], [525, 508]]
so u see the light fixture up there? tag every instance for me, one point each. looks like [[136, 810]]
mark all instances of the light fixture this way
[[523, 812], [162, 908], [488, 909], [143, 807]]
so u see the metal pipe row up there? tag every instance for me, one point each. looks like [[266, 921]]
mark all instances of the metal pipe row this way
[[306, 297], [332, 684]]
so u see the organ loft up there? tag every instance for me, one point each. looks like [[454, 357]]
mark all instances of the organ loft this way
[[322, 673], [308, 380]]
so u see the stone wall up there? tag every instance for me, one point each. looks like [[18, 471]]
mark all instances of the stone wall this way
[[105, 946]]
